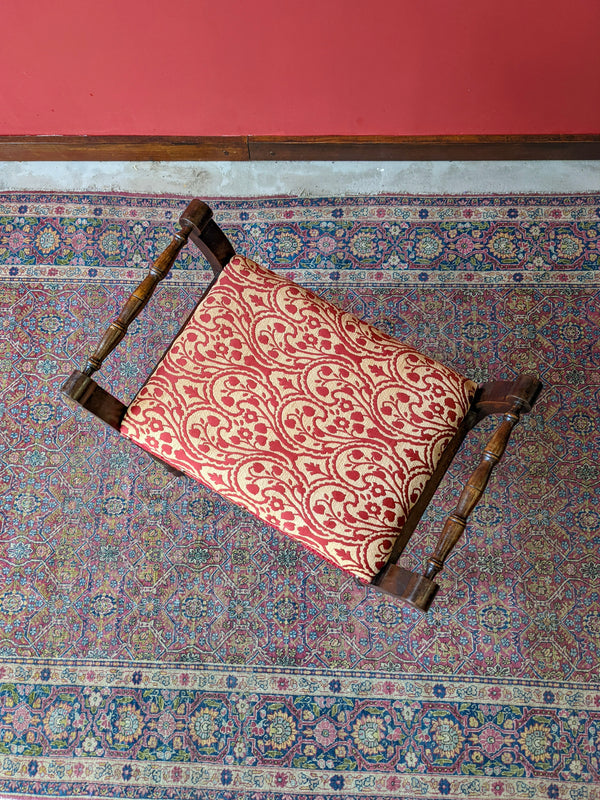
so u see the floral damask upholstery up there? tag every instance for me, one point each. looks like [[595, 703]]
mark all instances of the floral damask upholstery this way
[[313, 420]]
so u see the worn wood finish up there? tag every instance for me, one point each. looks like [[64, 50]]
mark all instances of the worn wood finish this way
[[85, 391], [512, 399], [411, 588], [299, 148], [497, 397], [194, 218], [196, 224], [124, 148], [214, 246]]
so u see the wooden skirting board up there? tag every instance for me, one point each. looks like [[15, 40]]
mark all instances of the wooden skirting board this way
[[299, 148]]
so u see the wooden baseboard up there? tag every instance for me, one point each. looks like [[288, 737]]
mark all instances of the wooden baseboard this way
[[299, 148], [423, 148], [123, 148]]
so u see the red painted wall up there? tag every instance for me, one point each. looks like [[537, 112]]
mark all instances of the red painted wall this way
[[299, 67]]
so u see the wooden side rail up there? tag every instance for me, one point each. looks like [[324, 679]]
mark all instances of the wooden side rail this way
[[523, 395], [196, 216], [86, 392], [196, 224], [510, 399]]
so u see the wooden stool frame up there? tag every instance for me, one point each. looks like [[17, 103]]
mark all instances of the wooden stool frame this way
[[510, 399]]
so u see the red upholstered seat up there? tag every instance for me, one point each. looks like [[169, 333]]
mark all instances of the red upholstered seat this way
[[313, 420]]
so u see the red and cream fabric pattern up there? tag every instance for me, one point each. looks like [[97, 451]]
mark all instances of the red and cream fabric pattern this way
[[313, 420]]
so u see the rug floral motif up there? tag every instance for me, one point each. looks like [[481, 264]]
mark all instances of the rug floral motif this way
[[156, 641]]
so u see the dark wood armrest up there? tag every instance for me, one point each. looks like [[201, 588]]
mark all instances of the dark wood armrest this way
[[415, 590], [194, 218], [509, 398], [497, 397], [214, 246], [196, 223], [518, 399]]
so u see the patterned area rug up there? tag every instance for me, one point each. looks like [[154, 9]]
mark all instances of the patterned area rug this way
[[157, 642]]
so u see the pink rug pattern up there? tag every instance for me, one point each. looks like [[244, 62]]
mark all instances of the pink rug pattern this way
[[157, 641]]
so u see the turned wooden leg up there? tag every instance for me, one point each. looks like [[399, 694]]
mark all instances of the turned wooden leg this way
[[195, 218], [512, 399], [521, 397], [79, 386]]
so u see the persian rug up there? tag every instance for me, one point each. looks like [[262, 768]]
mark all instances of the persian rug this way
[[157, 642]]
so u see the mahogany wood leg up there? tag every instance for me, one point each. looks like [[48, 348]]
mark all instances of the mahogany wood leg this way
[[512, 399], [86, 392], [521, 396], [196, 216], [79, 386]]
